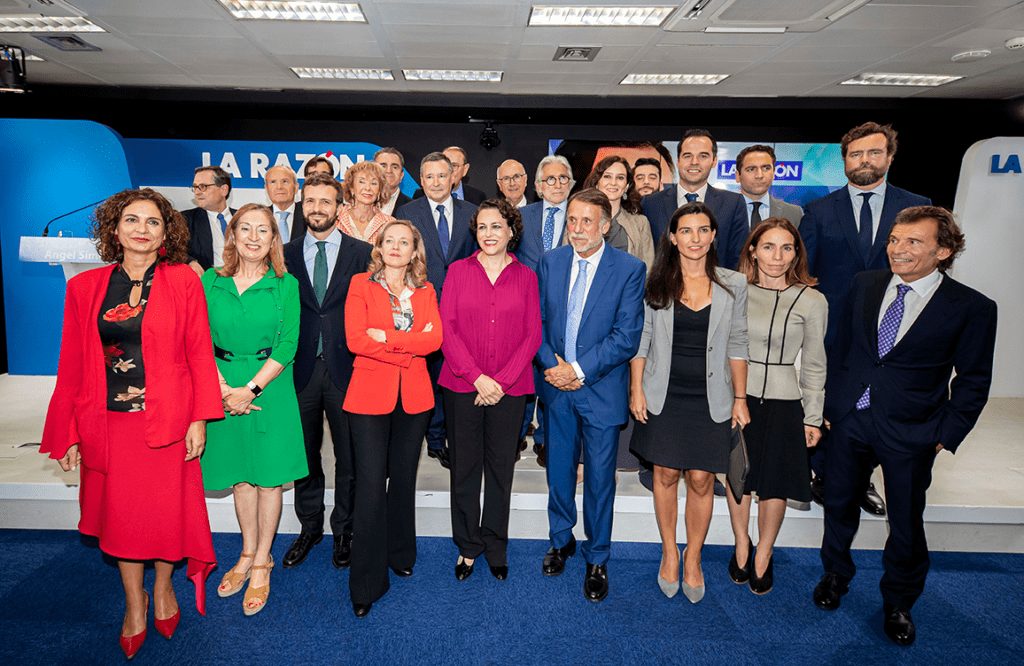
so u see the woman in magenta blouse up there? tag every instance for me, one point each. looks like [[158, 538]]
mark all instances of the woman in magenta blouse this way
[[490, 313]]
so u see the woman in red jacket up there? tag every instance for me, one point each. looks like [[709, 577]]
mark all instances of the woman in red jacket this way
[[139, 442], [391, 324]]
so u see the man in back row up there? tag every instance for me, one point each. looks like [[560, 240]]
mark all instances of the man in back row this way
[[208, 222], [460, 169], [755, 172]]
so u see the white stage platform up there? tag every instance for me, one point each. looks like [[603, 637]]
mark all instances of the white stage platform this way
[[976, 502]]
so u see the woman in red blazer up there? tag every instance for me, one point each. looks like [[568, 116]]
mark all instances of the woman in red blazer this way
[[391, 324], [139, 442]]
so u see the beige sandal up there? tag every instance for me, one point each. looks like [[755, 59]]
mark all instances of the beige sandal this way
[[234, 580], [257, 593]]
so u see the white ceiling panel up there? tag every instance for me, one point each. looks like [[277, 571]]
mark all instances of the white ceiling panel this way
[[436, 50], [811, 68], [950, 3], [694, 54], [590, 36], [922, 17], [307, 31], [323, 48], [148, 25], [196, 10], [725, 39], [441, 15], [546, 52]]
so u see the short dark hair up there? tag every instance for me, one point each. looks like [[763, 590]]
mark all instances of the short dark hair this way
[[511, 214], [220, 176], [391, 151], [595, 197], [319, 159], [697, 132], [648, 161], [948, 233], [436, 156], [756, 148], [319, 178], [867, 129]]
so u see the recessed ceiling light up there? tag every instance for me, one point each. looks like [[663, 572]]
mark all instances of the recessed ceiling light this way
[[920, 80], [295, 11], [630, 17], [672, 79], [48, 24], [971, 56], [451, 75], [343, 73], [752, 31]]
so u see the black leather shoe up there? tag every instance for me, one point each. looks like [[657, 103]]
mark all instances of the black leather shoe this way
[[899, 627], [830, 590], [342, 557], [463, 570], [530, 429], [762, 584], [818, 490], [554, 560], [441, 456], [501, 573], [361, 610], [872, 502], [297, 552], [405, 572], [719, 489], [741, 575], [595, 585], [542, 454]]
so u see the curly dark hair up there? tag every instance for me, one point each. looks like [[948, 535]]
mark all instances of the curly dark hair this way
[[513, 218], [631, 202], [948, 232], [108, 215]]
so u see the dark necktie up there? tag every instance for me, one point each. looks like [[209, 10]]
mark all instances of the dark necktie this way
[[455, 195], [866, 222], [320, 283], [887, 331], [442, 230], [549, 229], [691, 197], [755, 216]]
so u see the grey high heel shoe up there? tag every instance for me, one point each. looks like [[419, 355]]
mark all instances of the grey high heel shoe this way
[[694, 594], [670, 589]]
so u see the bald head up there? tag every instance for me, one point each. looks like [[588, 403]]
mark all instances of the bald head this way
[[512, 181], [281, 185]]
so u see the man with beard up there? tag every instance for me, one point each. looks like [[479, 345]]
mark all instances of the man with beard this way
[[845, 233], [647, 176], [323, 260]]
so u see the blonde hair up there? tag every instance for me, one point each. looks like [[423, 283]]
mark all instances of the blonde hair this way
[[275, 258], [371, 169], [416, 273]]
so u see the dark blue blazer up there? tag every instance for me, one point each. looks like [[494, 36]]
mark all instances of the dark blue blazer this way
[[327, 318], [831, 239], [531, 246], [470, 194], [610, 328], [729, 210], [913, 404], [200, 239], [460, 245]]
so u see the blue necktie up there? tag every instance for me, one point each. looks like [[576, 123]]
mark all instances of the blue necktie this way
[[283, 225], [866, 222], [223, 223], [572, 322], [442, 230], [691, 197], [549, 229], [887, 331]]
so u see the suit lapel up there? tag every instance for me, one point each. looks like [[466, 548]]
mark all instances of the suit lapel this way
[[204, 237], [297, 267], [873, 296], [605, 268], [342, 267], [668, 203], [429, 230], [719, 299], [938, 309], [843, 210], [561, 273], [460, 230], [890, 208]]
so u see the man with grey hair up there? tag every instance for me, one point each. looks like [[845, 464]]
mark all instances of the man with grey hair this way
[[393, 164], [460, 168], [208, 222], [512, 182], [281, 184]]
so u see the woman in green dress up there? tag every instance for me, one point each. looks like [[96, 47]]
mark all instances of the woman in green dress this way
[[254, 320]]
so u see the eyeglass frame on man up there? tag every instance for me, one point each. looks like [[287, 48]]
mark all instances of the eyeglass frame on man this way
[[551, 180]]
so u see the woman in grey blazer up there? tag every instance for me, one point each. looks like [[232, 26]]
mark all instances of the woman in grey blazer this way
[[687, 385]]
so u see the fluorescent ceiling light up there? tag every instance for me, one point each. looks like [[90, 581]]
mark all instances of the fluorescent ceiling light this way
[[632, 17], [28, 57], [672, 79], [343, 73], [731, 29], [295, 11], [48, 24], [922, 80], [451, 75]]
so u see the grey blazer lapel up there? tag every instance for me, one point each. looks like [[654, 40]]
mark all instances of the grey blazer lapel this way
[[719, 301]]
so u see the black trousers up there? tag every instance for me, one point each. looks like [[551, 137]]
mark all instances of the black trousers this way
[[854, 450], [483, 442], [320, 396], [387, 453]]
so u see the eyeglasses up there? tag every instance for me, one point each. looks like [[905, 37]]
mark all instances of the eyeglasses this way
[[512, 179], [551, 180], [201, 188]]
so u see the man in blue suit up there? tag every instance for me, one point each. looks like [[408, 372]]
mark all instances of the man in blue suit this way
[[696, 159], [443, 222], [591, 302], [890, 401]]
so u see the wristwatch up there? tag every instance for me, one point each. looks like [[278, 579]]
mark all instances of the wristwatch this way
[[256, 390]]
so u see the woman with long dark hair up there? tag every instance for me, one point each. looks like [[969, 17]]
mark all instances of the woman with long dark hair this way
[[629, 231]]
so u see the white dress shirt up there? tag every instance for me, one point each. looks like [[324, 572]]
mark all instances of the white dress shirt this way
[[914, 301], [592, 263], [389, 205], [449, 213], [875, 203], [681, 194], [766, 206], [285, 233], [218, 235], [559, 220], [331, 249]]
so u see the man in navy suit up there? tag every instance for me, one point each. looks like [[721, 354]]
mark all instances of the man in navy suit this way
[[323, 261], [591, 303], [393, 164], [443, 222], [696, 158], [460, 168], [888, 396], [281, 184], [207, 223]]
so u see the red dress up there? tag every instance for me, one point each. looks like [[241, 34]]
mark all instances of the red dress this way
[[137, 494]]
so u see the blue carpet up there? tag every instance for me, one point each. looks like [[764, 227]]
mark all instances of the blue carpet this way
[[61, 602]]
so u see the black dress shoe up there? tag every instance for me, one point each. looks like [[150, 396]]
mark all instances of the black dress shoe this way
[[762, 584], [899, 627], [872, 502], [719, 489], [741, 575], [402, 572], [361, 610], [342, 557], [542, 454], [554, 560], [297, 552], [463, 570], [501, 573], [595, 585], [818, 490], [530, 429], [829, 591], [441, 455]]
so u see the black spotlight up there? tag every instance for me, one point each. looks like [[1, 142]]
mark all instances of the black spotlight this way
[[12, 69], [489, 138]]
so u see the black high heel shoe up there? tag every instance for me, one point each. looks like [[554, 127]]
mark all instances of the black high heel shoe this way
[[762, 584], [738, 575]]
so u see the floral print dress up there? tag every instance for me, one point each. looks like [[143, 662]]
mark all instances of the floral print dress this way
[[120, 327]]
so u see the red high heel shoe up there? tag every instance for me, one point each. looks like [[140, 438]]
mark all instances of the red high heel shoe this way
[[131, 644], [166, 627]]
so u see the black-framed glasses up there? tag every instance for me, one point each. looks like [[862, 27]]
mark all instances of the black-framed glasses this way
[[551, 180], [512, 179], [201, 187]]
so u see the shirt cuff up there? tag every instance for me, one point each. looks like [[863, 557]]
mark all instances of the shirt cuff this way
[[579, 371]]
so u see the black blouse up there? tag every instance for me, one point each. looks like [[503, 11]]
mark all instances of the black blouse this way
[[120, 327]]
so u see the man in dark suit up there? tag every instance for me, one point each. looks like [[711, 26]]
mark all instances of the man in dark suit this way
[[207, 223], [460, 168], [393, 164], [591, 301], [755, 173], [443, 222], [647, 176], [696, 158], [323, 260], [281, 185], [888, 396], [318, 164], [512, 182]]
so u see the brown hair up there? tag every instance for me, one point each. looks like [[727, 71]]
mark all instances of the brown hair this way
[[665, 282], [631, 203], [513, 218], [319, 178], [220, 176], [756, 148], [417, 271], [390, 151], [867, 129], [371, 169], [319, 159], [595, 197], [275, 258], [108, 215], [948, 233], [797, 272], [697, 132]]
